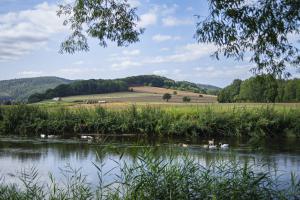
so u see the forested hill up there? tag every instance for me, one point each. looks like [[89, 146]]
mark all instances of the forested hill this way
[[21, 89], [99, 86], [264, 88]]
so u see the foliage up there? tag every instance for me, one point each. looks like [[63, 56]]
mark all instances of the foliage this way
[[186, 99], [187, 121], [262, 88], [231, 92], [105, 20], [260, 27], [151, 177], [167, 97]]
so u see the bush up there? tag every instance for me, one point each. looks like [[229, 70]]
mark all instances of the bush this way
[[167, 97], [186, 99]]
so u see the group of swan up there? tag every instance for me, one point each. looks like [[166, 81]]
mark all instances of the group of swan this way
[[43, 136], [211, 145]]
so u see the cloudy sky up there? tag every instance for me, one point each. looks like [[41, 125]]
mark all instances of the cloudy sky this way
[[30, 35]]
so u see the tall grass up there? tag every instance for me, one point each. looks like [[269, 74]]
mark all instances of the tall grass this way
[[265, 121], [151, 177]]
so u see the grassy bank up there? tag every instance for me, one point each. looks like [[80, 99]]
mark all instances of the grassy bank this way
[[157, 178], [210, 121]]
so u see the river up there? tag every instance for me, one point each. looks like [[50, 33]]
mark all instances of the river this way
[[280, 156]]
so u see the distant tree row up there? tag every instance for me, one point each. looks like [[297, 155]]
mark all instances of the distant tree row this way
[[262, 88], [81, 88]]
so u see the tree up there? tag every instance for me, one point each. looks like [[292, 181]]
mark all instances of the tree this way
[[186, 99], [261, 28], [105, 20], [230, 93], [167, 97]]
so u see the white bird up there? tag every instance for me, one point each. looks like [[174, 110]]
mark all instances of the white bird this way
[[51, 136], [212, 146], [184, 145], [43, 136], [224, 146], [211, 142], [86, 137]]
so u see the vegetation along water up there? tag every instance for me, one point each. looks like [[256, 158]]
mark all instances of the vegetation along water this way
[[209, 121]]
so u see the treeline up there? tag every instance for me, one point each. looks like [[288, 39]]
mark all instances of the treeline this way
[[159, 81], [86, 87], [81, 88], [262, 88], [29, 120]]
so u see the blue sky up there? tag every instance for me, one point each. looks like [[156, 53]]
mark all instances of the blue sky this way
[[30, 35]]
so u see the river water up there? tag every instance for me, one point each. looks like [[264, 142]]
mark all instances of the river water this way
[[280, 156]]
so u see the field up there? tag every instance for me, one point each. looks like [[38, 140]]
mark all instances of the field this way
[[148, 95]]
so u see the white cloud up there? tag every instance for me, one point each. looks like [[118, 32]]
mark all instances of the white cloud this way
[[190, 8], [162, 38], [147, 19], [124, 65], [134, 3], [134, 52], [173, 21], [75, 71], [223, 72], [79, 62], [30, 73], [28, 30], [160, 72], [165, 9], [165, 49], [187, 53]]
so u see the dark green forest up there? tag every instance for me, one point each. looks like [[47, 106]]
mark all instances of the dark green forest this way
[[261, 88], [100, 86]]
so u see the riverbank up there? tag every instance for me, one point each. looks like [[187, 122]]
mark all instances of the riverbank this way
[[199, 121]]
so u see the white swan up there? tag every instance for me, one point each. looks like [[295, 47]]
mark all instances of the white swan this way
[[86, 137], [211, 142], [43, 136], [224, 146], [212, 146]]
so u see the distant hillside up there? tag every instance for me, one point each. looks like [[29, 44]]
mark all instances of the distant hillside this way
[[21, 89], [208, 87], [100, 86]]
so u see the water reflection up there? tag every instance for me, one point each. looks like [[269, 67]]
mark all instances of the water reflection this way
[[278, 156]]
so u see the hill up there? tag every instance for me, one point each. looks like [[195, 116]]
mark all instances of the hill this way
[[21, 89], [101, 86]]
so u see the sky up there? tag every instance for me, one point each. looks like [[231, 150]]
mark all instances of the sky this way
[[31, 33]]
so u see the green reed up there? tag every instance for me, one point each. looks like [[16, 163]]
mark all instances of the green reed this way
[[210, 121]]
